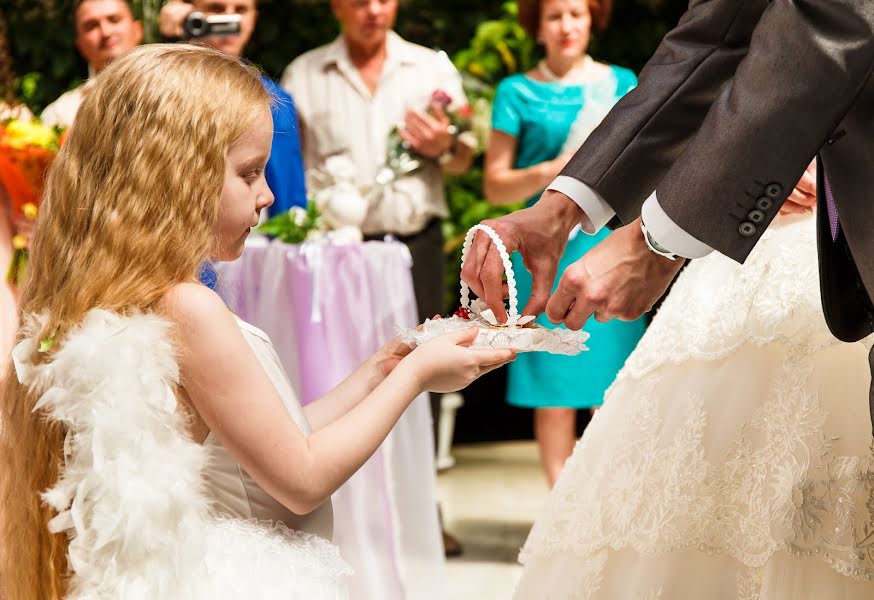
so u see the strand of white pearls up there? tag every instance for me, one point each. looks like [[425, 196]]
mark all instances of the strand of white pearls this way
[[513, 315]]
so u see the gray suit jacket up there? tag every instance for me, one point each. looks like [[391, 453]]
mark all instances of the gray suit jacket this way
[[734, 104]]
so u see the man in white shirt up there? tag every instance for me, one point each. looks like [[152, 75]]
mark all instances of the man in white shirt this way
[[105, 29], [350, 94]]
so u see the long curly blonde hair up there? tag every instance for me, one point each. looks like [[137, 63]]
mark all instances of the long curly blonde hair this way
[[129, 211]]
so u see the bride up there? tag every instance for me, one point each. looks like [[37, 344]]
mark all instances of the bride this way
[[732, 457]]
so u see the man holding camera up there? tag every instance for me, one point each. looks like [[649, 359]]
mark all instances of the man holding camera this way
[[105, 29], [197, 22]]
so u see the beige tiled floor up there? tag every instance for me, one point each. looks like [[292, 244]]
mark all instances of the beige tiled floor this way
[[490, 499]]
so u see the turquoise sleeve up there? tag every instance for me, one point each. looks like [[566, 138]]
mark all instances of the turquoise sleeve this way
[[505, 109], [626, 81]]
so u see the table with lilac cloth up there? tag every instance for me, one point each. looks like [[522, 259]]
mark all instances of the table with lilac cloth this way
[[327, 308]]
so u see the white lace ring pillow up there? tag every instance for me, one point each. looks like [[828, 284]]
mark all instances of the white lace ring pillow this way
[[519, 333]]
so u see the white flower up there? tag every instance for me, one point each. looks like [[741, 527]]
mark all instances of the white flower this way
[[298, 215], [341, 169]]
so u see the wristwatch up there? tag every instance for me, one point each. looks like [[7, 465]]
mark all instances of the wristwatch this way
[[654, 246]]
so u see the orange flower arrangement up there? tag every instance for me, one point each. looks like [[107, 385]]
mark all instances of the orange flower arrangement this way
[[27, 149]]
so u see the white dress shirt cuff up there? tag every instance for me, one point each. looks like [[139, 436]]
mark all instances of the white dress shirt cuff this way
[[668, 234], [597, 213]]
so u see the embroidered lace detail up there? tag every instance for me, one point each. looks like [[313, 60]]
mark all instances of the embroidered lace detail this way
[[749, 583], [665, 468], [779, 487], [653, 594], [717, 305]]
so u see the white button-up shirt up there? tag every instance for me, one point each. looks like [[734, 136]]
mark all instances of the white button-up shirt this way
[[63, 111], [661, 227], [340, 116]]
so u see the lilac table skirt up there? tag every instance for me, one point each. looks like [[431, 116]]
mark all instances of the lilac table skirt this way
[[327, 308]]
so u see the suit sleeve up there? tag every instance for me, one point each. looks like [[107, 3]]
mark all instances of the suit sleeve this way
[[807, 63], [624, 159]]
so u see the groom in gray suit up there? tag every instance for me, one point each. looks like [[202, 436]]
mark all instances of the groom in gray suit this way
[[735, 103]]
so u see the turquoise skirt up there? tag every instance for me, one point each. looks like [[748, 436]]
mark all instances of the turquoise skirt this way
[[541, 380]]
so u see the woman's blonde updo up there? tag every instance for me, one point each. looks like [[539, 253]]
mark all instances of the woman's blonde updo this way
[[129, 211]]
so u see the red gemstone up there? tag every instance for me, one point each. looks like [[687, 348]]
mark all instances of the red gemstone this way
[[463, 313]]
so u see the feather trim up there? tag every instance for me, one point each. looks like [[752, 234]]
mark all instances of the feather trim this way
[[131, 496]]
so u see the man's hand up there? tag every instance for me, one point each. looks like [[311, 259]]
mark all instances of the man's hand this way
[[803, 197], [540, 235], [428, 134], [619, 278], [172, 17]]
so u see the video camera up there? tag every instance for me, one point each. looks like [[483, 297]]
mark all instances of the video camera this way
[[197, 25]]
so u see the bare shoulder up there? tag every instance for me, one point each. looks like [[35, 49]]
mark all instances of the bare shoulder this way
[[187, 300], [197, 311]]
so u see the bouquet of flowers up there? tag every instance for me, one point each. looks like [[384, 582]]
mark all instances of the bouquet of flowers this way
[[27, 149], [294, 226], [402, 160]]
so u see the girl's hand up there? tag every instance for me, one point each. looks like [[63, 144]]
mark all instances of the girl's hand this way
[[448, 363], [388, 357]]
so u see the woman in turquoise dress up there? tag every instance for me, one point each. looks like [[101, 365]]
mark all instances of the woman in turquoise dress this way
[[539, 119]]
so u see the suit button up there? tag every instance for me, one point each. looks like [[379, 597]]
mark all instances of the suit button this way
[[747, 229], [773, 190], [756, 216], [764, 203]]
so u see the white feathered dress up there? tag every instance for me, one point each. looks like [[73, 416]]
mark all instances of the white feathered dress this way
[[132, 493]]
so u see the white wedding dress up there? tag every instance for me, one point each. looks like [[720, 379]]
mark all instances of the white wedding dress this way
[[150, 513], [732, 458]]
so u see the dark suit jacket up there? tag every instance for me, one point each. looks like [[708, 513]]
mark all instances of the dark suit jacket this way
[[733, 106]]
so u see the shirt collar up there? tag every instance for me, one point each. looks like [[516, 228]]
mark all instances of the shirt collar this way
[[397, 49]]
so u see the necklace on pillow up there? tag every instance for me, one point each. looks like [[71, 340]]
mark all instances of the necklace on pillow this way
[[520, 333]]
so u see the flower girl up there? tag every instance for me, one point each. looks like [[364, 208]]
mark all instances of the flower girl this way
[[150, 443]]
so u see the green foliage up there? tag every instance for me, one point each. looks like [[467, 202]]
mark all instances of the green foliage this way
[[293, 226], [43, 52], [499, 48]]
